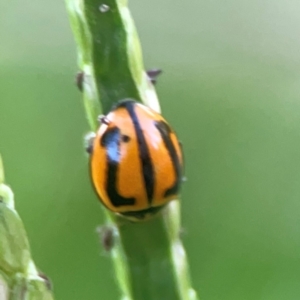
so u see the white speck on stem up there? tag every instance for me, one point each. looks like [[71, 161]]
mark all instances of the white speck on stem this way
[[104, 8]]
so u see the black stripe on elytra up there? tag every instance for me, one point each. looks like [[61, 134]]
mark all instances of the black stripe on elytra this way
[[111, 142], [165, 131], [147, 167]]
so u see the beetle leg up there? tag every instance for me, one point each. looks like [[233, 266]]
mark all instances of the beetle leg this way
[[183, 178], [89, 142]]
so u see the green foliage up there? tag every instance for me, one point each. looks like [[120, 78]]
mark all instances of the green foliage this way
[[19, 278], [14, 247], [230, 88]]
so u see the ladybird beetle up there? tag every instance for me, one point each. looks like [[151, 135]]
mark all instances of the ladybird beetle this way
[[136, 161]]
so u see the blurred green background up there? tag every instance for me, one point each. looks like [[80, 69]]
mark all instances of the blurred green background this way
[[231, 88]]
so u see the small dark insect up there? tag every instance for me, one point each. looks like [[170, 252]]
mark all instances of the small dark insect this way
[[79, 80], [106, 234], [153, 74], [47, 280]]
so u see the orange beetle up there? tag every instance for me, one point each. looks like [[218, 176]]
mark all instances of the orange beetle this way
[[136, 161]]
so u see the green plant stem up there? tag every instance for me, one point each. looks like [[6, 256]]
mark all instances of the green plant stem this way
[[19, 278], [149, 257]]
